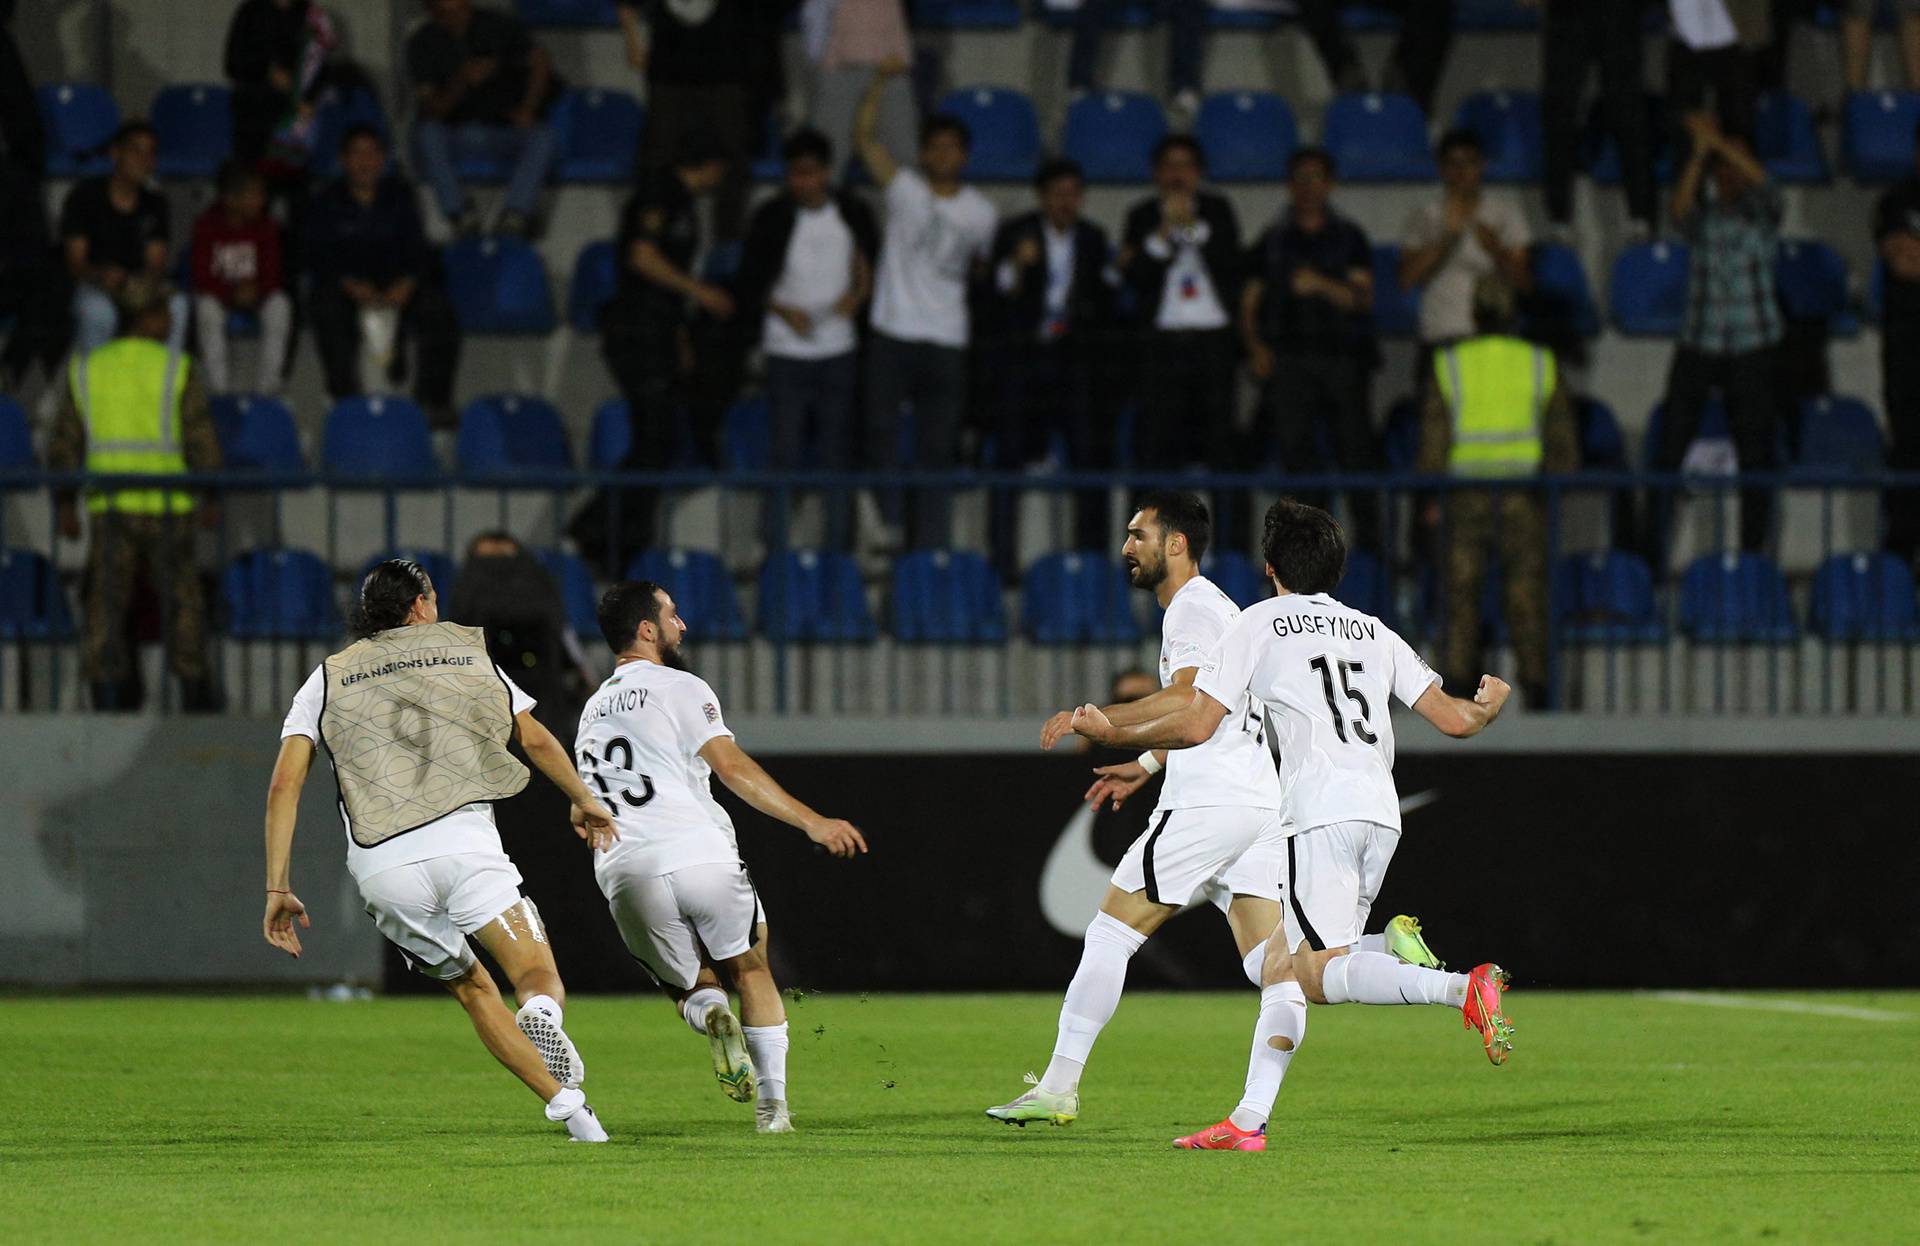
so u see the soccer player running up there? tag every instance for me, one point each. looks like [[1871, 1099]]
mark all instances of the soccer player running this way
[[649, 740], [1324, 673], [1217, 831], [415, 718]]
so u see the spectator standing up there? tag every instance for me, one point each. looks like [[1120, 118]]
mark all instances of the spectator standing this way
[[135, 407], [1306, 320], [1419, 54], [849, 41], [276, 59], [1896, 229], [938, 231], [1712, 60], [1186, 48], [1576, 37], [112, 228], [1497, 408], [236, 267], [1181, 255], [483, 87], [373, 277], [700, 60], [1856, 41], [807, 270], [1730, 218], [1053, 287], [33, 285], [1451, 244], [505, 591]]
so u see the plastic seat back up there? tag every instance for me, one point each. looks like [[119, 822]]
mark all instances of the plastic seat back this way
[[701, 587], [946, 597], [499, 286], [814, 595], [378, 437], [1508, 123], [280, 594], [33, 603], [1249, 136], [1864, 596], [79, 118], [505, 433], [576, 589], [1878, 134], [1734, 599], [596, 279], [1076, 598], [1111, 134], [194, 121], [1648, 291], [256, 433], [1005, 130], [599, 134], [1379, 138]]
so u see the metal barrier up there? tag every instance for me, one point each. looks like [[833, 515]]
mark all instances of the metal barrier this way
[[1719, 653]]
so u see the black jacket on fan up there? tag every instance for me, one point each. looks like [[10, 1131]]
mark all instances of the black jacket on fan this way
[[763, 254], [1220, 254], [1089, 298]]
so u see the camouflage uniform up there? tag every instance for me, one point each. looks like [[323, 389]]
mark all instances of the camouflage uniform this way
[[1476, 518], [118, 543]]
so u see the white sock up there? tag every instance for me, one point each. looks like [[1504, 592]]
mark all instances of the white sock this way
[[1276, 1036], [547, 1004], [1376, 978], [1091, 998], [565, 1104], [694, 1007], [1251, 963], [767, 1048], [1371, 943]]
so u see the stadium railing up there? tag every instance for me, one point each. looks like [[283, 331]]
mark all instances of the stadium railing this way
[[1710, 632]]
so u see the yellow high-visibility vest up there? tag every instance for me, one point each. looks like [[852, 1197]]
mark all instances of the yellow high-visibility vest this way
[[129, 393], [1497, 389]]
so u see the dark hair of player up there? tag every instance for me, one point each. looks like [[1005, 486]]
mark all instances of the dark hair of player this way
[[1305, 547], [1184, 513], [807, 144], [387, 596], [624, 607], [946, 123]]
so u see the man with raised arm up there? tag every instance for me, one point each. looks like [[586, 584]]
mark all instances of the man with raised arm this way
[[1323, 673]]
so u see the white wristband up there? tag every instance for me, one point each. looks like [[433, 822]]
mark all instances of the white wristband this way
[[1149, 763]]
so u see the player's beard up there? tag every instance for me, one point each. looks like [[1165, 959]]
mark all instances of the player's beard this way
[[1147, 578], [674, 658]]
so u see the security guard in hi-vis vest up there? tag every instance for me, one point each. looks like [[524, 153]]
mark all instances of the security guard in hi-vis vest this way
[[135, 408], [1496, 408]]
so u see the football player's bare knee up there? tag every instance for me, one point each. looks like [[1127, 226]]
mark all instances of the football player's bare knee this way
[[1311, 967], [1278, 966], [1253, 920], [1132, 908], [474, 988]]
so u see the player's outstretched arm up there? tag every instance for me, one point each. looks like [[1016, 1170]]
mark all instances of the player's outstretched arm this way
[[748, 780], [1175, 696], [1458, 717], [590, 818], [283, 806], [1192, 724]]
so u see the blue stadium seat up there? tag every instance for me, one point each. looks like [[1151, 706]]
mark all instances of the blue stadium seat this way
[[1839, 434], [596, 279], [701, 588], [611, 436], [1112, 133], [1879, 128], [336, 113], [966, 14], [1606, 598], [1400, 436], [946, 597], [33, 604], [378, 437], [16, 438], [194, 121], [1602, 152], [814, 595], [438, 566], [1249, 136], [1242, 577], [498, 286], [599, 135], [1495, 15], [1864, 596], [1077, 598], [1713, 425], [1365, 586], [80, 118], [256, 434], [767, 165], [280, 594], [747, 438], [1785, 140], [1396, 309], [1362, 17], [1649, 289], [1379, 138], [1736, 599], [1508, 123], [504, 433], [1005, 129], [1602, 444], [1560, 286], [576, 13], [576, 589], [1811, 279]]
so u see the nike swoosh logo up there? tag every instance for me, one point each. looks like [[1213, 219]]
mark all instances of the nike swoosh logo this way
[[1074, 880]]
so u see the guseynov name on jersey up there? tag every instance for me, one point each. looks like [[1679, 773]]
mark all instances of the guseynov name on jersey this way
[[1323, 625]]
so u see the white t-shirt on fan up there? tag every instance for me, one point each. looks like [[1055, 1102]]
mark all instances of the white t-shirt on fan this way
[[1233, 767], [1324, 671], [931, 242], [469, 828], [817, 273]]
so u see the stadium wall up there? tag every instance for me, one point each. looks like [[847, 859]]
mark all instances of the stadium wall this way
[[1582, 855]]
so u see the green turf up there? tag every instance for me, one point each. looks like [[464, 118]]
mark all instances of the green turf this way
[[1620, 1118]]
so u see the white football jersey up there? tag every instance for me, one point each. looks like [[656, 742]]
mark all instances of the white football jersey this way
[[638, 749], [1234, 767], [1325, 672]]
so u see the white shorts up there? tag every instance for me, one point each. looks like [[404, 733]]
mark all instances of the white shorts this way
[[427, 909], [1333, 874], [1216, 851], [667, 920]]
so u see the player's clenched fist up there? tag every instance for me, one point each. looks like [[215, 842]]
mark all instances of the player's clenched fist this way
[[1492, 693], [1090, 721], [283, 907], [838, 836]]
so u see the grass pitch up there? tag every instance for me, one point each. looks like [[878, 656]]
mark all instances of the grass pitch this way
[[1621, 1118]]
